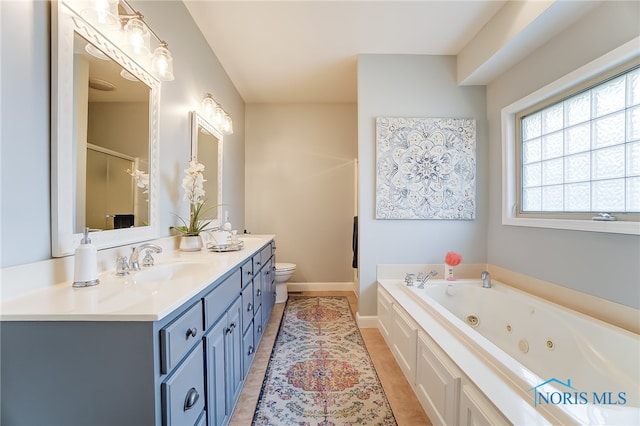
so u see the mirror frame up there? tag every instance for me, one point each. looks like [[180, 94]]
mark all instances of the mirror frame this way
[[198, 120], [64, 240]]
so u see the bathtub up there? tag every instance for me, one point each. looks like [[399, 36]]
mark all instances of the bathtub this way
[[565, 365]]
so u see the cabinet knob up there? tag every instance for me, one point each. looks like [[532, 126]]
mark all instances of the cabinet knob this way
[[191, 399], [249, 307], [192, 332], [258, 263], [232, 326], [250, 350], [259, 292], [259, 329]]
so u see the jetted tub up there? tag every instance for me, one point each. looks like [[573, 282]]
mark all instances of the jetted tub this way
[[560, 360]]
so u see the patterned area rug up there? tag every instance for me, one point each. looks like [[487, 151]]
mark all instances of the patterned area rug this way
[[320, 372]]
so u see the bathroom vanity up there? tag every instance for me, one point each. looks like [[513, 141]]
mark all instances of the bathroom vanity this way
[[139, 350]]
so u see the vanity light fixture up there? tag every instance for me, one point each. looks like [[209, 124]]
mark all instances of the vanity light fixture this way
[[215, 114], [136, 32]]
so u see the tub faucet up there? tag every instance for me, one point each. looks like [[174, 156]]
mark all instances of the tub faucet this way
[[486, 279], [425, 279], [134, 265]]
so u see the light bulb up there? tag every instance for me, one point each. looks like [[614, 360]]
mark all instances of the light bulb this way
[[227, 127], [137, 36], [208, 106], [162, 62], [218, 116]]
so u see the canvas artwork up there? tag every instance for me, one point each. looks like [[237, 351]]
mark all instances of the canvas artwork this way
[[425, 168]]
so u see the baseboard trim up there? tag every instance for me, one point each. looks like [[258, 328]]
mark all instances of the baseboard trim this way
[[335, 286], [369, 321]]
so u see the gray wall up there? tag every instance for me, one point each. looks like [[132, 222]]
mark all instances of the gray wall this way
[[300, 184], [414, 86], [25, 185], [603, 265]]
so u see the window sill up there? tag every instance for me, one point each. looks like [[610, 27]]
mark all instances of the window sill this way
[[617, 227]]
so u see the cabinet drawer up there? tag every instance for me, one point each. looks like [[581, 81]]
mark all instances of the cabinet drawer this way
[[248, 350], [179, 336], [247, 306], [257, 264], [265, 254], [247, 272], [183, 392], [217, 301]]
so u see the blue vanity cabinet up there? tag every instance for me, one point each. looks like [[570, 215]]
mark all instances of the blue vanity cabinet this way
[[186, 368]]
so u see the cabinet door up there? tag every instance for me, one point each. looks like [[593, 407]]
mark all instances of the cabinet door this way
[[216, 391], [268, 292], [248, 350], [437, 382], [476, 409], [404, 341], [385, 322], [233, 353]]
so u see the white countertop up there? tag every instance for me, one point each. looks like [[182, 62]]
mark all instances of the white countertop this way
[[136, 297]]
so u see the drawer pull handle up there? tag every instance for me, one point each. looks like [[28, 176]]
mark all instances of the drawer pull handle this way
[[191, 399], [249, 307], [259, 329], [250, 350], [192, 332], [259, 292]]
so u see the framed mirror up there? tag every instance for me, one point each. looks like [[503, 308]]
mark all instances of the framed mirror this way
[[207, 148], [104, 157]]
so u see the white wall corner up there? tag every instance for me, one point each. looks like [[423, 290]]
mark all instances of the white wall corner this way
[[368, 321]]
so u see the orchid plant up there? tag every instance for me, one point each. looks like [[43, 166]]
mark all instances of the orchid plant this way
[[142, 181], [193, 185]]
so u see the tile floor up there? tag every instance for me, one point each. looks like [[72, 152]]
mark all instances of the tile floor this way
[[406, 408]]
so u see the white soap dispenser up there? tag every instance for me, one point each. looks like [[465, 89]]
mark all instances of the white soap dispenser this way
[[86, 263]]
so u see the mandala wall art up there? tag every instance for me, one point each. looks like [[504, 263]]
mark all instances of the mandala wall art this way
[[425, 168]]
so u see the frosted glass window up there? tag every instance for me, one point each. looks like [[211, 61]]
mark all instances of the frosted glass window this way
[[577, 197], [582, 153], [578, 168], [578, 138]]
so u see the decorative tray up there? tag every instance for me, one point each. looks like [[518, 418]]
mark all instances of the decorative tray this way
[[225, 247]]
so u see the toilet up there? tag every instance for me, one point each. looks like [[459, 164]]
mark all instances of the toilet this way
[[284, 271]]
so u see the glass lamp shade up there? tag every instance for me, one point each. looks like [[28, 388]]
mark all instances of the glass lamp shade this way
[[102, 12], [218, 116], [227, 126], [208, 106], [137, 37], [162, 63]]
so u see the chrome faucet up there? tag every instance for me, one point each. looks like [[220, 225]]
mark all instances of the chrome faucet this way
[[486, 279], [425, 279], [134, 265]]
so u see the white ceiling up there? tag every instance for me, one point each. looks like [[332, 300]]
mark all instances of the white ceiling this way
[[306, 51]]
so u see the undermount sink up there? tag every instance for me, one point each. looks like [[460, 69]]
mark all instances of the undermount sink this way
[[169, 271]]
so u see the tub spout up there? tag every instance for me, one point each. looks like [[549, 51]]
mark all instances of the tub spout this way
[[486, 279]]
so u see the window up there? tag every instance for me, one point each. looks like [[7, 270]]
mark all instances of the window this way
[[581, 155], [571, 150]]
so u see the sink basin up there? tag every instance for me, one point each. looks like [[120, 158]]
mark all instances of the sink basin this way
[[169, 272]]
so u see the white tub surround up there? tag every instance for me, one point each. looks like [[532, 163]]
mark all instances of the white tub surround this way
[[136, 297], [491, 372]]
